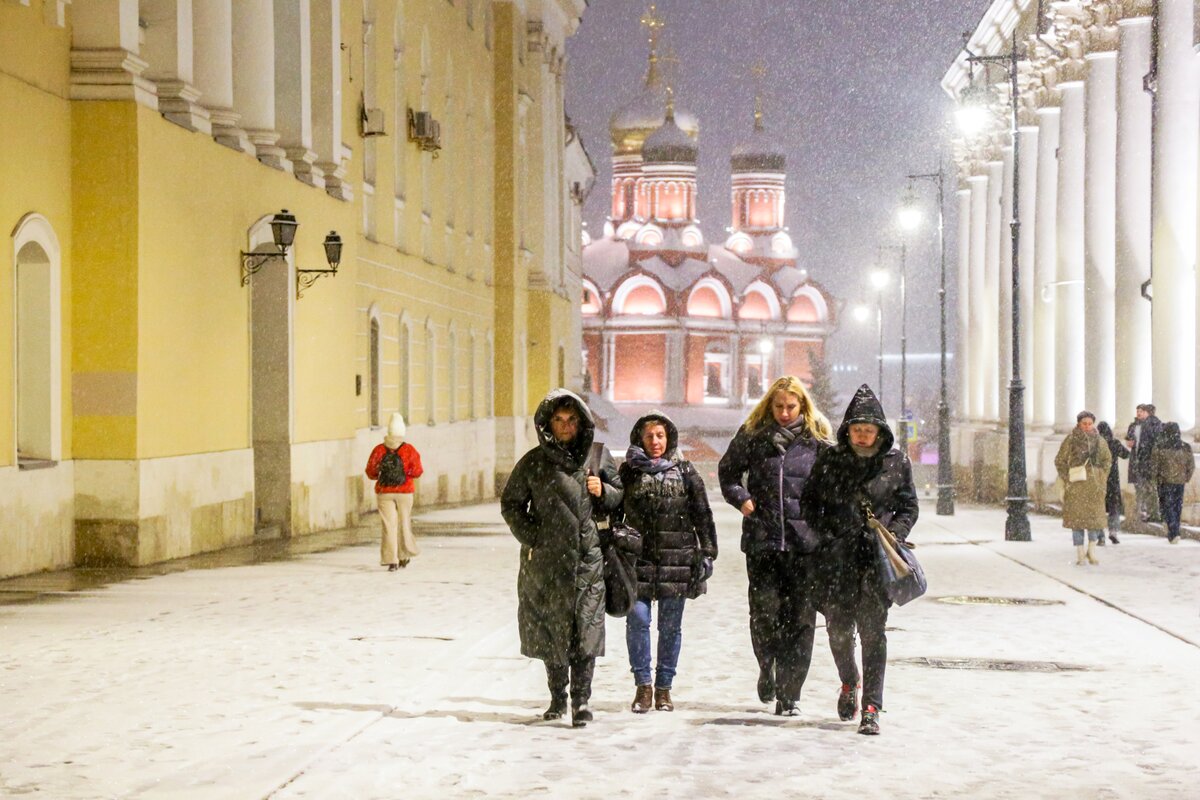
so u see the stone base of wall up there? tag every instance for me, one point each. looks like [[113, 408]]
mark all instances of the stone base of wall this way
[[37, 513]]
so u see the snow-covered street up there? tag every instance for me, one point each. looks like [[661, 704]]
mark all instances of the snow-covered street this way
[[324, 676]]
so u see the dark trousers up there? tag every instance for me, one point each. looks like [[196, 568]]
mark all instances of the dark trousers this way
[[782, 618], [1170, 502], [577, 675], [868, 612]]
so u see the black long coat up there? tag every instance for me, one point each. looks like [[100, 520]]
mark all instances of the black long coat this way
[[1113, 502], [753, 468], [560, 585], [1140, 468], [832, 502], [674, 518]]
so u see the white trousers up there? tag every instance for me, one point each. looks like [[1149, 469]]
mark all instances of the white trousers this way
[[399, 544]]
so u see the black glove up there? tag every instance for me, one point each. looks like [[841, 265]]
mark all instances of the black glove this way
[[707, 565]]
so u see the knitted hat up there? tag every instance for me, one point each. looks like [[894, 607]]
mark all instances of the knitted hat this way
[[396, 428]]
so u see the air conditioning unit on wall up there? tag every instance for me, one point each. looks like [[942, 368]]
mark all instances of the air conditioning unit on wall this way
[[372, 123], [425, 131]]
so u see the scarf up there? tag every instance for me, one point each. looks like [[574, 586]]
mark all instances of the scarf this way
[[1082, 447], [636, 457], [866, 452], [783, 437]]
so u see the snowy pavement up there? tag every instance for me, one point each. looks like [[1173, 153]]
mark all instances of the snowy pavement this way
[[327, 677]]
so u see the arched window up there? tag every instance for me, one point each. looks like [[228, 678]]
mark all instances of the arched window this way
[[639, 295], [452, 372], [38, 329], [802, 309], [591, 301], [754, 306], [430, 373], [706, 302], [373, 359]]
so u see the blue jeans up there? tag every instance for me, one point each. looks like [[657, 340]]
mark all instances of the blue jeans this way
[[1170, 500], [1093, 536], [670, 639]]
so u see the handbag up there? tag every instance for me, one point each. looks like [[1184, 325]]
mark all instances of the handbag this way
[[1077, 474], [620, 546], [900, 572]]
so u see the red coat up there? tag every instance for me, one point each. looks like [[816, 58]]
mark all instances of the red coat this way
[[411, 460]]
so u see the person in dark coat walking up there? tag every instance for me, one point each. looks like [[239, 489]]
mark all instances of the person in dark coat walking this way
[[548, 505], [863, 471], [1140, 438], [762, 474], [666, 501], [1114, 504], [1172, 465]]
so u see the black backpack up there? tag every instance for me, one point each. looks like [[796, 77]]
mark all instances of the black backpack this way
[[391, 469]]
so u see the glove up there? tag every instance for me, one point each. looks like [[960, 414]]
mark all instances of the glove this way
[[707, 565]]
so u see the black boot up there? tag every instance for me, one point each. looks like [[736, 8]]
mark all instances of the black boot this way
[[766, 683], [786, 708], [581, 691], [557, 678]]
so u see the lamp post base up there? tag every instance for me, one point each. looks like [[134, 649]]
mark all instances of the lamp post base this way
[[1016, 527]]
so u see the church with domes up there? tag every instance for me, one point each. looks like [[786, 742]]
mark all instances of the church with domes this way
[[670, 318]]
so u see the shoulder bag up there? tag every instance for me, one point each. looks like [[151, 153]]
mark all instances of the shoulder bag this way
[[901, 574]]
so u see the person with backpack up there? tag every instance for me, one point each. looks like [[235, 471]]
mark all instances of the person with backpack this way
[[666, 501], [394, 465], [1171, 466]]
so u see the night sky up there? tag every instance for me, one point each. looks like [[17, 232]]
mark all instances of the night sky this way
[[852, 91]]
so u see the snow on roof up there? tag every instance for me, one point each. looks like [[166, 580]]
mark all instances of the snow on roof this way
[[736, 271], [675, 278], [789, 279], [605, 261]]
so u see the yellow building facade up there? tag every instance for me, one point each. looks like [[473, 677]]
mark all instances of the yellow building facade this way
[[153, 404]]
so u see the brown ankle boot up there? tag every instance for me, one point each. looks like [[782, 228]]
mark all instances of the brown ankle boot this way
[[662, 700], [642, 700]]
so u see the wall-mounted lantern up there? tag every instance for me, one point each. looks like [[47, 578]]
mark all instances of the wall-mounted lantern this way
[[333, 254], [283, 233]]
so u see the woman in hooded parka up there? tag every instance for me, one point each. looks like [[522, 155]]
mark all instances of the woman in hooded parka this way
[[762, 475], [1083, 463], [548, 505], [666, 501], [863, 471]]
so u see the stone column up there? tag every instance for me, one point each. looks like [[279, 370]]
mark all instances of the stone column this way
[[673, 392], [212, 31], [991, 289], [979, 362], [607, 358], [293, 88], [105, 64], [1069, 344], [1027, 206], [254, 78], [963, 320], [735, 370], [1173, 220], [1004, 285], [168, 52], [327, 95], [1100, 180], [1132, 240], [1045, 268]]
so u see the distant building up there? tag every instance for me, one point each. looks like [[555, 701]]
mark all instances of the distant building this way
[[670, 318]]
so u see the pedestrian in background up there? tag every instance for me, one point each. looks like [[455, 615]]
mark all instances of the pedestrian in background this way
[[394, 465], [864, 473], [666, 501], [1083, 463], [1140, 438], [547, 504], [1114, 504], [1172, 465], [762, 474]]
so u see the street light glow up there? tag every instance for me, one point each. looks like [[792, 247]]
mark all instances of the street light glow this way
[[861, 313], [765, 346], [880, 278], [909, 215]]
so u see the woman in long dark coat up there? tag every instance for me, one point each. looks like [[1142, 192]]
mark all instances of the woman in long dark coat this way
[[762, 475], [862, 471], [1114, 504], [666, 501], [548, 505]]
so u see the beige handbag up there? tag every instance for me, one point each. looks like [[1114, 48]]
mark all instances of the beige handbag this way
[[1077, 474]]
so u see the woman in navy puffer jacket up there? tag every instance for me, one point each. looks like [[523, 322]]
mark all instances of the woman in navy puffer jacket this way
[[762, 474]]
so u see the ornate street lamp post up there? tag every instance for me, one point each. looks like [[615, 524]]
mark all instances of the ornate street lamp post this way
[[910, 218], [1016, 527]]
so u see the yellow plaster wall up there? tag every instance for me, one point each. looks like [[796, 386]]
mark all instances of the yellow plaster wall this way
[[35, 177], [198, 200]]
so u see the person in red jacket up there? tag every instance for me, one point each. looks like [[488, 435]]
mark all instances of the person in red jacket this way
[[394, 465]]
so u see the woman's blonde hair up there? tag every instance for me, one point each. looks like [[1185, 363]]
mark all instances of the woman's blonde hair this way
[[761, 415]]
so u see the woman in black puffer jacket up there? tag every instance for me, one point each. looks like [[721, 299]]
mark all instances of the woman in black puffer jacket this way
[[664, 499], [762, 475], [863, 469]]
